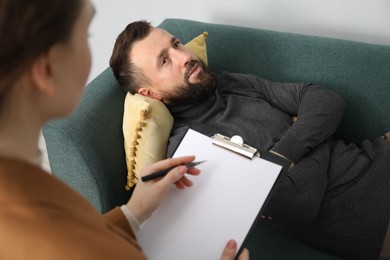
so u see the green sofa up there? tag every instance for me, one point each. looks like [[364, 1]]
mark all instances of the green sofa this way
[[86, 150]]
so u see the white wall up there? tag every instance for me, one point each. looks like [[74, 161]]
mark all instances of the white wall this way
[[360, 20]]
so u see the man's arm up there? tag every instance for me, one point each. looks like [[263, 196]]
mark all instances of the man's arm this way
[[318, 110]]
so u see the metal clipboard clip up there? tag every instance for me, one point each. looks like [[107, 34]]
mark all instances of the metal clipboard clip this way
[[235, 144]]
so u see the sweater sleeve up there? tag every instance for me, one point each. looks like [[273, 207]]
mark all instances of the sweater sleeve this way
[[319, 112], [117, 217]]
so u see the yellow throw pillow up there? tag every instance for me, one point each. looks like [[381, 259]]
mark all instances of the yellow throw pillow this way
[[147, 124], [198, 46]]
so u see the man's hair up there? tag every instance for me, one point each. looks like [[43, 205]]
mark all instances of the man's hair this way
[[28, 29], [127, 74]]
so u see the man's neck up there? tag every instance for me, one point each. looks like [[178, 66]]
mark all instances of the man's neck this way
[[189, 111]]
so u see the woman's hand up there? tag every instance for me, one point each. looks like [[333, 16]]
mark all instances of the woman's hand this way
[[147, 196], [230, 251]]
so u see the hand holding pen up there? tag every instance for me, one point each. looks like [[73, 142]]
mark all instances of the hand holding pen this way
[[147, 196], [164, 172]]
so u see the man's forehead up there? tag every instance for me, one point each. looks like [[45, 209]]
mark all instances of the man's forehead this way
[[149, 47], [160, 32]]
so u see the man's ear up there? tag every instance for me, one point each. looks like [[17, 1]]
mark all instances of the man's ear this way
[[41, 74], [149, 93]]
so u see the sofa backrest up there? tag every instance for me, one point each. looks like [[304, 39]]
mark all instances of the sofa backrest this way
[[359, 72], [86, 149]]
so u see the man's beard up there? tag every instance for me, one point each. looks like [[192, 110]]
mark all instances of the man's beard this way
[[193, 93]]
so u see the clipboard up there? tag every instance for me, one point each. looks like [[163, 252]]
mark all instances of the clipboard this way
[[223, 204]]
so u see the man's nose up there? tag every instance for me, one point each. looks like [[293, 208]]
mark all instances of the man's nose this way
[[182, 57]]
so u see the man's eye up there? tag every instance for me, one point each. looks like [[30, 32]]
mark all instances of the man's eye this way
[[164, 61], [177, 44]]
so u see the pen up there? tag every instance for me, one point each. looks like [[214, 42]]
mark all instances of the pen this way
[[164, 172]]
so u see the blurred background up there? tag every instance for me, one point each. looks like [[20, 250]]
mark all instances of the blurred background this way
[[358, 20]]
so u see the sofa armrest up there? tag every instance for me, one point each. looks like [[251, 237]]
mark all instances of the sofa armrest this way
[[86, 149]]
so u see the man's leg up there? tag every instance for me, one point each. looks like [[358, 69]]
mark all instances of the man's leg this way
[[385, 253]]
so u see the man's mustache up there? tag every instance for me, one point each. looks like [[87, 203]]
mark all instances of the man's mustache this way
[[189, 66]]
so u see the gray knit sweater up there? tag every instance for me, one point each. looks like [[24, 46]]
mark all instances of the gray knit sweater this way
[[337, 196]]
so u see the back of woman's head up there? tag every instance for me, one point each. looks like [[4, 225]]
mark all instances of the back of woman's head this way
[[28, 28]]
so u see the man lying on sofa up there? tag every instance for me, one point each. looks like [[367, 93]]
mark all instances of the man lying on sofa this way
[[334, 196]]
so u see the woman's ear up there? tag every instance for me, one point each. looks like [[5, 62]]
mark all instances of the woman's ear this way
[[149, 93], [41, 74]]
